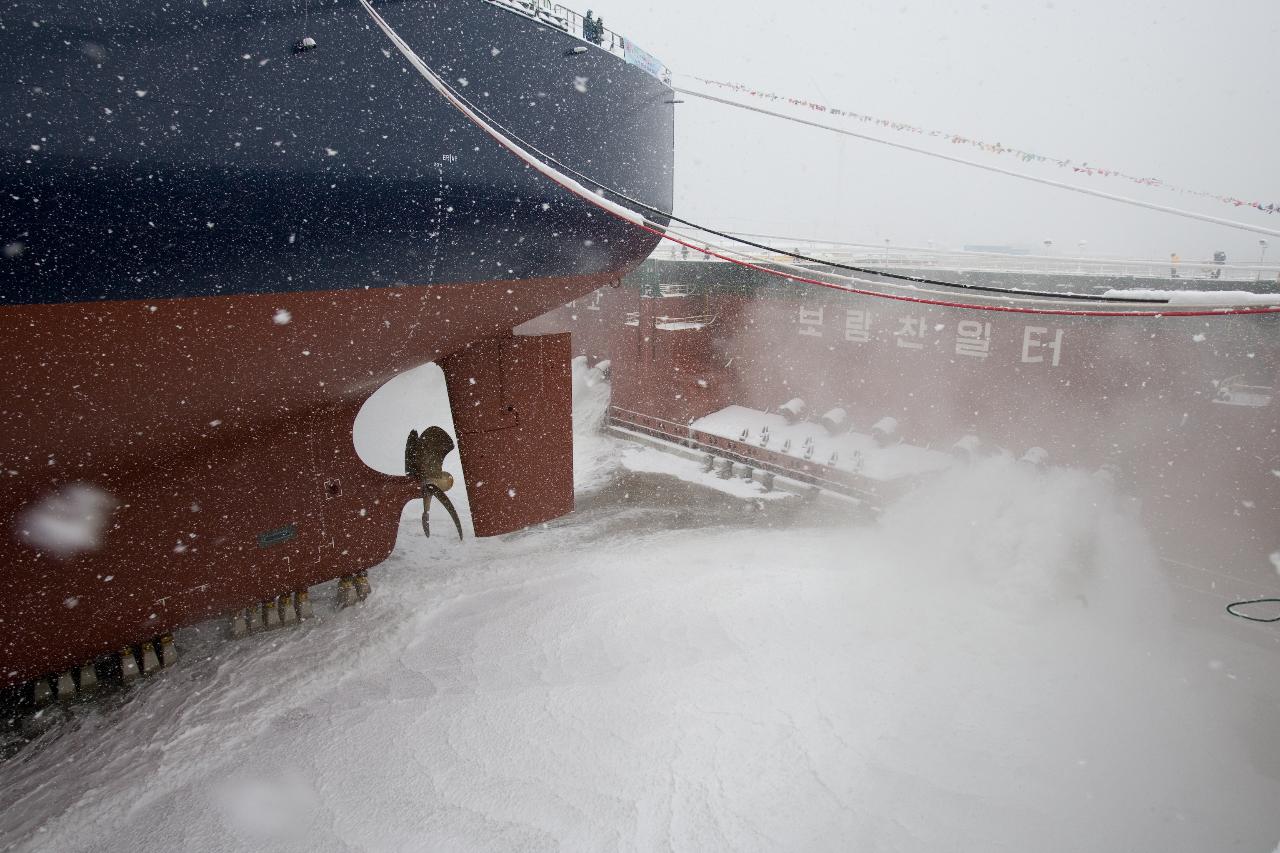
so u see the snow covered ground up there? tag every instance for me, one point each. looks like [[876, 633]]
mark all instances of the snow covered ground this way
[[997, 663]]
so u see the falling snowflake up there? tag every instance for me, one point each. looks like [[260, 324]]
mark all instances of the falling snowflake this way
[[70, 521], [282, 317], [580, 83]]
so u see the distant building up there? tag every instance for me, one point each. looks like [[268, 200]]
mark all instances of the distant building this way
[[998, 250]]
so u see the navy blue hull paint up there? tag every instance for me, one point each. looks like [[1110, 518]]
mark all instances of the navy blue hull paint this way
[[188, 151]]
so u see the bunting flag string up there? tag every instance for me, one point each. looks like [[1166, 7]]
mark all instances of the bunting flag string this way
[[1081, 167]]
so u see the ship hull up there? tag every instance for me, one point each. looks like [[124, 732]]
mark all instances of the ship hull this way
[[189, 151], [243, 483], [218, 249]]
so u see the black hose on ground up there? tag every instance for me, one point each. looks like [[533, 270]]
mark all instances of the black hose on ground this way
[[1231, 609]]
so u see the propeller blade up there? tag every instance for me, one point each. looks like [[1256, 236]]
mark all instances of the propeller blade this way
[[434, 491], [411, 455], [426, 507]]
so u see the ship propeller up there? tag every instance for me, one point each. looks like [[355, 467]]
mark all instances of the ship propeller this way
[[424, 461]]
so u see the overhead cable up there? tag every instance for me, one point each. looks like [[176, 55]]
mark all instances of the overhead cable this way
[[1173, 211]]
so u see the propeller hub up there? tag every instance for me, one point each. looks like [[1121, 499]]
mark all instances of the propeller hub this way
[[424, 455]]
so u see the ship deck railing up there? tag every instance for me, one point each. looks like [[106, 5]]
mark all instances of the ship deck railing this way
[[619, 46], [927, 259], [568, 20], [610, 41]]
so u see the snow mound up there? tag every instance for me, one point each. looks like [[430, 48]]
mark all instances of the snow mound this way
[[1028, 537]]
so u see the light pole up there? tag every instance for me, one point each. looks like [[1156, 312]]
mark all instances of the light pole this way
[[1262, 255], [1080, 263]]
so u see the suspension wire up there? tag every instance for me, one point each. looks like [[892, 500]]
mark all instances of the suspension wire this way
[[997, 148], [1003, 291], [658, 229], [1225, 311], [1175, 211]]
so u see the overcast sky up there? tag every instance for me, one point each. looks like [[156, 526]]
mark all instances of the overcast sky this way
[[1183, 90]]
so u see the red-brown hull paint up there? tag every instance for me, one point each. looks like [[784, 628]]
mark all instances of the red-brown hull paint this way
[[210, 422], [512, 403]]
